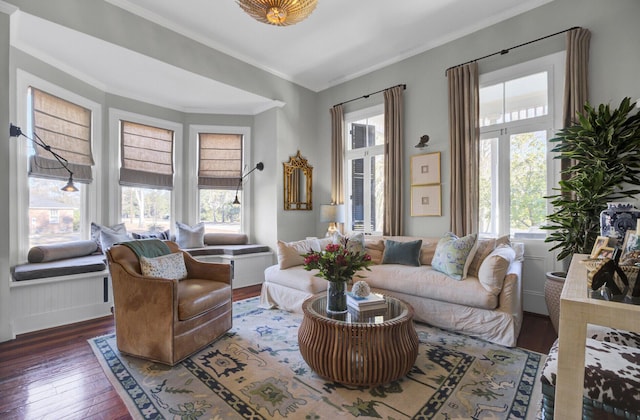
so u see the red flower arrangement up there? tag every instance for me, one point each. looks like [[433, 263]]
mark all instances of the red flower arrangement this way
[[337, 263]]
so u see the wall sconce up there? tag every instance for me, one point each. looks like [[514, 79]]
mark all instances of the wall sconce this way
[[16, 132], [259, 166], [332, 213], [423, 142]]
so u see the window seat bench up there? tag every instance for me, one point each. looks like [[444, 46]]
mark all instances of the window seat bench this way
[[61, 291]]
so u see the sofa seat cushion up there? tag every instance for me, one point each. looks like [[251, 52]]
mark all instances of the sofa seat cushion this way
[[227, 250], [612, 374], [58, 268], [425, 282], [196, 296], [296, 278]]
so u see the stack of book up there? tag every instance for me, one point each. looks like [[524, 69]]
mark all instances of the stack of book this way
[[368, 303]]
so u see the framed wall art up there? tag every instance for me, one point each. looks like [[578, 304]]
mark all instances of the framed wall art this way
[[425, 169], [426, 200]]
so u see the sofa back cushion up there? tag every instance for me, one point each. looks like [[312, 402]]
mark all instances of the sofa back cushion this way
[[494, 268], [403, 253], [483, 249], [453, 255]]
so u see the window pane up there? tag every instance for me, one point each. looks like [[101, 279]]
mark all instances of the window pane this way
[[367, 132], [491, 104], [528, 184], [526, 97], [377, 193], [54, 215], [357, 194], [145, 209], [488, 187], [217, 211]]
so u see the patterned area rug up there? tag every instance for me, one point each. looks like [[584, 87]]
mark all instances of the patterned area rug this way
[[256, 372]]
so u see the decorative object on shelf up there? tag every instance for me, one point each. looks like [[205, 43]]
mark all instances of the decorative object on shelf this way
[[259, 166], [39, 143], [278, 12], [423, 142], [600, 242], [617, 219], [337, 264], [361, 289], [297, 183], [603, 279], [332, 214]]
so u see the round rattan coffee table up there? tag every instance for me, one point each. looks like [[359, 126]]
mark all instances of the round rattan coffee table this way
[[358, 348]]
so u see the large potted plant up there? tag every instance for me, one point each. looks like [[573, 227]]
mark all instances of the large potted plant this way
[[603, 149]]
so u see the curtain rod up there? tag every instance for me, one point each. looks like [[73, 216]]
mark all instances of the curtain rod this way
[[404, 86], [506, 51]]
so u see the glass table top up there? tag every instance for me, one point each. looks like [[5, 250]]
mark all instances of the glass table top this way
[[395, 308]]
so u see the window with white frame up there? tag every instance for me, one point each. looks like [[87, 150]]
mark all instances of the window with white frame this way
[[364, 170], [146, 176], [57, 120], [518, 109], [220, 163]]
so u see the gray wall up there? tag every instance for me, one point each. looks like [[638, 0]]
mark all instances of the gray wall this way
[[5, 157], [614, 64]]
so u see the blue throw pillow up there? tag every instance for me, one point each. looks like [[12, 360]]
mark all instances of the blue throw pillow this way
[[404, 253], [452, 254]]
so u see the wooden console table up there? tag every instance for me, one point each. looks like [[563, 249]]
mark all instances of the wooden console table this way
[[577, 310]]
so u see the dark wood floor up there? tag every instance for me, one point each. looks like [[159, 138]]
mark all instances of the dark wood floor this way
[[54, 374]]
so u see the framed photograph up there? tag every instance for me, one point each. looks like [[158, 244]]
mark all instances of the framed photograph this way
[[425, 169], [601, 241], [631, 242], [426, 200], [604, 252]]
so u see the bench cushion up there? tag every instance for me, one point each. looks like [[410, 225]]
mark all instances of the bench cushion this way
[[66, 267], [227, 250]]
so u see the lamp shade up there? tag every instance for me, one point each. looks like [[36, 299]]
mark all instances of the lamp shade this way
[[331, 213]]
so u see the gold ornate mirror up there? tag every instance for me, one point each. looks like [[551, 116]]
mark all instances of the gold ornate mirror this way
[[297, 183]]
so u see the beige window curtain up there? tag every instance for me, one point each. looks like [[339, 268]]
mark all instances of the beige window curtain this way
[[464, 138], [337, 150], [219, 161], [147, 156], [66, 128], [393, 222], [576, 86]]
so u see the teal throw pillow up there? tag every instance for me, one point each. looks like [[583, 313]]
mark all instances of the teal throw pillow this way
[[452, 254], [404, 253]]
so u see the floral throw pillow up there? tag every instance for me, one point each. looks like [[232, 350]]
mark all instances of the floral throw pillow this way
[[452, 254], [170, 266]]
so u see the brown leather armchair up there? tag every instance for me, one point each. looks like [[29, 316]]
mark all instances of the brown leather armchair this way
[[166, 320]]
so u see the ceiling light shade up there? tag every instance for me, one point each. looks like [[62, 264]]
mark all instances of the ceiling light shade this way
[[278, 12]]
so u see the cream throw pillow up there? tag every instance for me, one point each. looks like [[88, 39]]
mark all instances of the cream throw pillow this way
[[290, 253], [170, 266], [494, 268]]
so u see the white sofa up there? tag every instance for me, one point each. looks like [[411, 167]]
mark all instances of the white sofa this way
[[467, 306]]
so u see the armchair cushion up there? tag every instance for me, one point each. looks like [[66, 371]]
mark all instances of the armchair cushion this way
[[196, 296], [170, 266]]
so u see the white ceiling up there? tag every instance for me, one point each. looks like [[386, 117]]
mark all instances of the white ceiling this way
[[341, 40]]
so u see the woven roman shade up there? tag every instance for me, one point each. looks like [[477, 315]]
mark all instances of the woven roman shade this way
[[66, 128], [220, 161], [147, 156]]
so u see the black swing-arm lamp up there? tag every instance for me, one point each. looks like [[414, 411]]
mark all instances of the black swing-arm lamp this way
[[259, 166], [15, 131]]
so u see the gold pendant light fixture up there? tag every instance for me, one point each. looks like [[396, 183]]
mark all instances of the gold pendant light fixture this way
[[278, 12]]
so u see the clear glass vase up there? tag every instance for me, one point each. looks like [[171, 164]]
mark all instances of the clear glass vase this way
[[337, 297]]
